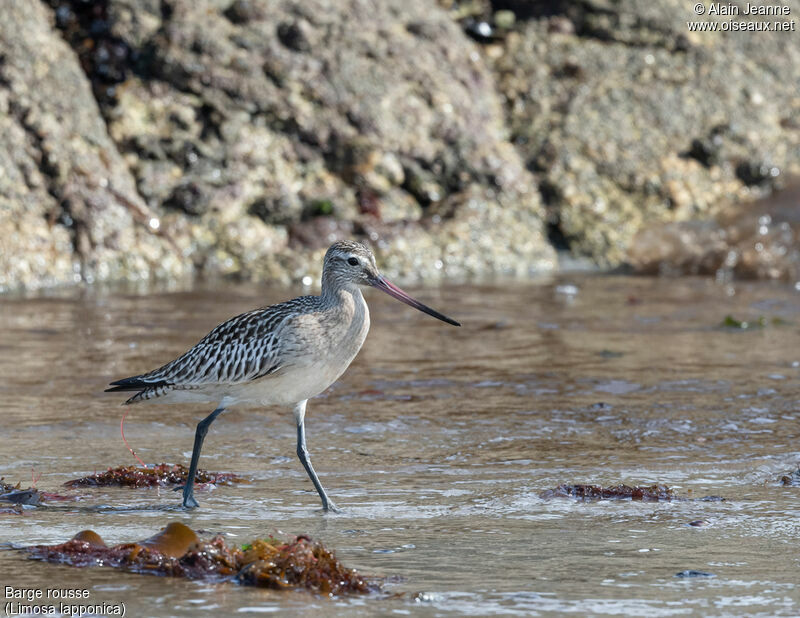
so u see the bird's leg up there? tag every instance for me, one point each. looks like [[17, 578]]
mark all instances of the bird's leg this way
[[202, 429], [305, 459]]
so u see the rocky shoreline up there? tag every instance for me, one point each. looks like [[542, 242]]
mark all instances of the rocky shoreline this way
[[181, 138]]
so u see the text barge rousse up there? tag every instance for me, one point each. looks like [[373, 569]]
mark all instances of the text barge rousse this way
[[719, 8]]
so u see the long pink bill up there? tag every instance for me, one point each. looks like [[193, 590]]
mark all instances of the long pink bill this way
[[392, 290]]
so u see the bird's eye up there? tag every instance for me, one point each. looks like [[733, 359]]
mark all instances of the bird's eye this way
[[352, 261]]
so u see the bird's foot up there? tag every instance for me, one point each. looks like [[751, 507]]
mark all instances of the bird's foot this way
[[188, 499], [330, 507]]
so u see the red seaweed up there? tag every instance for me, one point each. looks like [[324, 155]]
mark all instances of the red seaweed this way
[[653, 493], [176, 551], [160, 475]]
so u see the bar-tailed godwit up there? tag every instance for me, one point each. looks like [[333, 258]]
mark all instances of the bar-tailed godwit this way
[[283, 354]]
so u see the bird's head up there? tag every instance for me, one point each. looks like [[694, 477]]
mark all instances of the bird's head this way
[[349, 263]]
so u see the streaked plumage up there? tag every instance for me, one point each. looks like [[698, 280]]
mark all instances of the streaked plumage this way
[[282, 354], [243, 349]]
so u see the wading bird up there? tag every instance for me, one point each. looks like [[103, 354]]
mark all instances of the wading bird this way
[[283, 354]]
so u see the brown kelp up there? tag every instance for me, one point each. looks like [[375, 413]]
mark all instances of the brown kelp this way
[[177, 551]]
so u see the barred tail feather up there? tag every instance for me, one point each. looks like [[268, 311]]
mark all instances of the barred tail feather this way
[[146, 389]]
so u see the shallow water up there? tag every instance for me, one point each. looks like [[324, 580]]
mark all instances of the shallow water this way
[[437, 443]]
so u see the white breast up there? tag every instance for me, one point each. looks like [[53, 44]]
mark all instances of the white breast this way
[[321, 348]]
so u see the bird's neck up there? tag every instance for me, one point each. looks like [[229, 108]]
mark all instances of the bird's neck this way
[[335, 294]]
